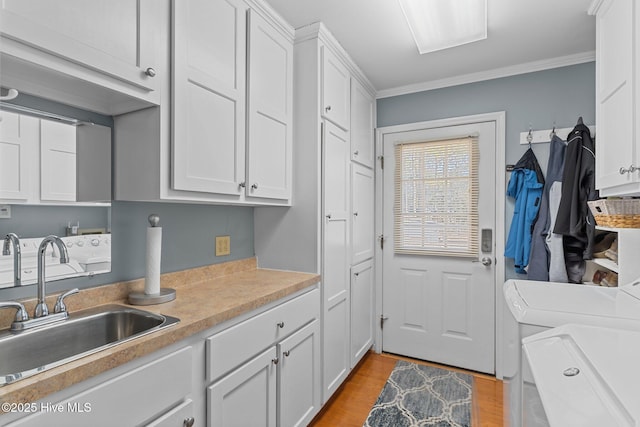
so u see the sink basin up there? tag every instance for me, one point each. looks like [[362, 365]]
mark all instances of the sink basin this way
[[29, 352]]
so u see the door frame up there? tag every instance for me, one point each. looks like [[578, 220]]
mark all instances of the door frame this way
[[499, 118]]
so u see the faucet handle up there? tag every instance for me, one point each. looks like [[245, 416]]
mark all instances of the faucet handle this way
[[60, 307], [21, 313]]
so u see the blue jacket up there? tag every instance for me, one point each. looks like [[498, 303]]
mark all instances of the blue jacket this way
[[527, 191]]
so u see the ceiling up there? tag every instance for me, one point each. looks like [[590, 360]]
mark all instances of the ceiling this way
[[523, 35]]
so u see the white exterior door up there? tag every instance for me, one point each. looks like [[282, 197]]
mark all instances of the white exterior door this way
[[441, 307]]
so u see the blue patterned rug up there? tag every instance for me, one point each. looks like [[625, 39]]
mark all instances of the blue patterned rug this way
[[419, 395]]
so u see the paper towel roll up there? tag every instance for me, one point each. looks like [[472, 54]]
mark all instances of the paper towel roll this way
[[154, 252]]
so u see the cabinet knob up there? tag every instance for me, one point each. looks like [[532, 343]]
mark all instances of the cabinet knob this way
[[355, 153], [286, 353], [356, 274], [327, 108], [254, 186], [150, 72], [242, 184], [275, 361], [328, 216], [280, 325], [188, 422], [355, 214]]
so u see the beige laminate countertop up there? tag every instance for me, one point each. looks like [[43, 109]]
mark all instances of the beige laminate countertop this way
[[205, 297]]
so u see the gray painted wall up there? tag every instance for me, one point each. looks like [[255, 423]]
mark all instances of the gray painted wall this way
[[188, 240], [537, 99]]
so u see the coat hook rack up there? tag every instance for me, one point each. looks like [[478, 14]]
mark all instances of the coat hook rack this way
[[544, 136]]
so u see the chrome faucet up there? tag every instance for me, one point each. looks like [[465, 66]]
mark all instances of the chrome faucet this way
[[13, 238], [41, 308]]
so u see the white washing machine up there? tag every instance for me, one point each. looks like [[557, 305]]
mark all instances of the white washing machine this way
[[586, 376], [531, 307]]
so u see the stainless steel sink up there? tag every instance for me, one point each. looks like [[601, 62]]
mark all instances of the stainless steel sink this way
[[29, 352]]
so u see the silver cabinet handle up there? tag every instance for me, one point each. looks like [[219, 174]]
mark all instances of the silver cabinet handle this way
[[355, 153], [254, 186], [275, 361], [355, 214], [242, 184], [280, 325], [188, 422], [328, 108], [328, 216], [286, 353], [631, 169], [150, 72]]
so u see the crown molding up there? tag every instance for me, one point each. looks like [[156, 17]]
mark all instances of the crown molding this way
[[594, 7], [319, 31], [268, 13], [525, 68]]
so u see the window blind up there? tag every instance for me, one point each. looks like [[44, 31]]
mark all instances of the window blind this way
[[436, 197]]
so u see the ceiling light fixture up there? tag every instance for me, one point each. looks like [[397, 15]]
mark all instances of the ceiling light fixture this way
[[441, 24]]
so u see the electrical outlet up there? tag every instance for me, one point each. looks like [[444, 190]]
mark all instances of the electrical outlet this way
[[223, 245], [5, 211]]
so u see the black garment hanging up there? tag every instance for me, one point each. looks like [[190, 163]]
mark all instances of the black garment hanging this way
[[575, 221]]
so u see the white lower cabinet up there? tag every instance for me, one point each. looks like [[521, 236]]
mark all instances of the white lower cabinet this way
[[247, 396], [151, 394], [266, 369]]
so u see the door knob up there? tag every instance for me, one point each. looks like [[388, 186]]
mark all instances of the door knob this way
[[486, 261]]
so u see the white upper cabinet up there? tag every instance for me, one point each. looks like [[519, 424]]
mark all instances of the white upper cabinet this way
[[335, 89], [57, 161], [617, 96], [269, 111], [19, 137], [111, 44], [209, 95], [224, 133], [362, 111]]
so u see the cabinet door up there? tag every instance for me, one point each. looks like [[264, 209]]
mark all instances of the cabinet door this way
[[269, 111], [57, 161], [362, 109], [116, 38], [209, 95], [247, 396], [300, 386], [615, 146], [362, 208], [335, 89], [361, 310], [18, 144], [335, 270]]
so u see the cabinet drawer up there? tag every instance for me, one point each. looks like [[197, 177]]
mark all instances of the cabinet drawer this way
[[177, 417], [128, 399], [231, 347]]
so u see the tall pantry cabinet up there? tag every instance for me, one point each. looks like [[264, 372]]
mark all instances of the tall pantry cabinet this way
[[329, 228]]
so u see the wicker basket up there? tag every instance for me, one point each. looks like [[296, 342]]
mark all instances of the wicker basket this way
[[616, 213]]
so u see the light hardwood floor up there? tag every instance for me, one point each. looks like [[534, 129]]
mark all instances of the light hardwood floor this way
[[351, 404]]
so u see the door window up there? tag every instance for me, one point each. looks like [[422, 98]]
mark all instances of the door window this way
[[436, 197]]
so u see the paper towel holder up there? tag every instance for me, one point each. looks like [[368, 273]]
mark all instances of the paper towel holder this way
[[165, 294]]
